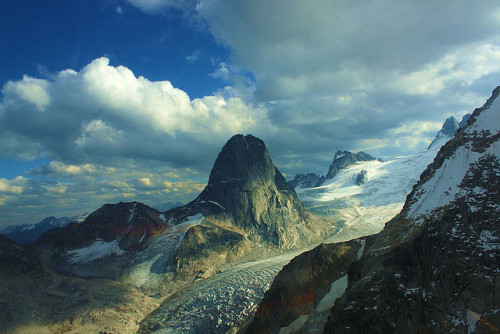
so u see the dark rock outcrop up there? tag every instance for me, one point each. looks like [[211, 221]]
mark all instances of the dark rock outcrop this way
[[434, 267], [345, 159], [309, 180], [132, 223], [449, 129], [362, 177]]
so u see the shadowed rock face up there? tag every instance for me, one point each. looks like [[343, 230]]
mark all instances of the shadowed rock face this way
[[133, 224], [252, 191], [15, 258], [309, 180]]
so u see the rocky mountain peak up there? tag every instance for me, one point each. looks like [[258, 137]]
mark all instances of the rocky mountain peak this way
[[344, 159], [132, 223], [449, 130], [450, 127], [245, 187], [243, 162]]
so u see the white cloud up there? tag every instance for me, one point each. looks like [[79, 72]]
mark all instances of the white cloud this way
[[105, 113], [462, 68], [29, 90]]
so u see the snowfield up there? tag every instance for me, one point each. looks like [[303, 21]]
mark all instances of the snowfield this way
[[362, 210], [97, 250]]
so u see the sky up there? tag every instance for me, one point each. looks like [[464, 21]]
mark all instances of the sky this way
[[119, 100]]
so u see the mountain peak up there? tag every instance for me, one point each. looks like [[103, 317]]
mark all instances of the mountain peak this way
[[242, 159], [449, 130], [344, 159]]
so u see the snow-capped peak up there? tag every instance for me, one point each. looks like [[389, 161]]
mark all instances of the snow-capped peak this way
[[440, 182]]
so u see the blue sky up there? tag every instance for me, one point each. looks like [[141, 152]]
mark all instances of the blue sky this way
[[118, 100]]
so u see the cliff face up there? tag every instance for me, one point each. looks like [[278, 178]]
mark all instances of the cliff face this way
[[434, 267]]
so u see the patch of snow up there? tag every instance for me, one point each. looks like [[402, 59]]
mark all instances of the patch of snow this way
[[362, 249], [295, 326], [213, 202], [132, 213], [97, 250], [365, 210], [162, 217], [336, 291], [152, 264]]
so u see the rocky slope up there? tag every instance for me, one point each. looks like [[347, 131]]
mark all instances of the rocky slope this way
[[104, 244], [308, 180], [434, 267]]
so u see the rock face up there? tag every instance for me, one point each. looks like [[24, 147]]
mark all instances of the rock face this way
[[449, 130], [434, 267], [246, 190], [362, 177], [345, 159], [309, 180], [301, 285], [132, 223], [246, 202]]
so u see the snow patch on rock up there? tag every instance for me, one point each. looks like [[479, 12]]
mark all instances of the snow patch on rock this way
[[97, 250]]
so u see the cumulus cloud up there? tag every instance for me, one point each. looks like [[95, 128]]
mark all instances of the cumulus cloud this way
[[103, 114], [84, 188]]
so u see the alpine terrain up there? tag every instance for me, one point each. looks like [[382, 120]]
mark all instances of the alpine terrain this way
[[246, 213], [432, 269]]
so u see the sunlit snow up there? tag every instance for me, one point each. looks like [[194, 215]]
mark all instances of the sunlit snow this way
[[364, 209], [97, 250]]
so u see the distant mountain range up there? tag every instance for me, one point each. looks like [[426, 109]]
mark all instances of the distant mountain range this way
[[29, 233]]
